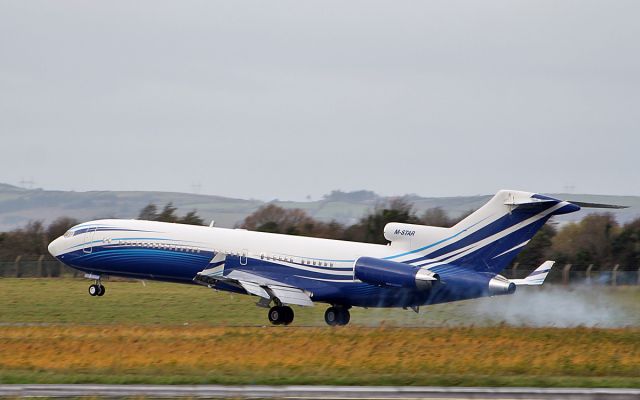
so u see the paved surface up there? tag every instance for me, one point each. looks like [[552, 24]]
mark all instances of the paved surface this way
[[315, 392]]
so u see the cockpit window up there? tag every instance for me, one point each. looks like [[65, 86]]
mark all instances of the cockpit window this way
[[69, 234]]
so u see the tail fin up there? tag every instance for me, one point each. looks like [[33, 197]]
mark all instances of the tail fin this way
[[537, 277], [485, 241], [504, 226]]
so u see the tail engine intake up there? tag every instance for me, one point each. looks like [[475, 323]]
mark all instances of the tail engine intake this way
[[380, 272]]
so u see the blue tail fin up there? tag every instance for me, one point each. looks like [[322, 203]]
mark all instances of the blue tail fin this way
[[488, 239]]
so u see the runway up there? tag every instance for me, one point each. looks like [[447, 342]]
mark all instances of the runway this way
[[314, 392]]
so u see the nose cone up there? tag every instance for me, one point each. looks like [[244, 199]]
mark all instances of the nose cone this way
[[54, 247]]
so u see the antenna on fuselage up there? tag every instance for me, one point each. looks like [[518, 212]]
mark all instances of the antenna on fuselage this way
[[212, 224]]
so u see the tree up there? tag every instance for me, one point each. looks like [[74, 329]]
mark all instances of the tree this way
[[191, 218], [370, 228], [538, 250], [275, 219], [28, 241], [149, 212], [588, 241], [168, 214], [59, 226], [436, 217], [626, 246]]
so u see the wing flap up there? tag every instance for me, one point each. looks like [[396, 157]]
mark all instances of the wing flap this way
[[254, 289], [291, 295], [256, 285]]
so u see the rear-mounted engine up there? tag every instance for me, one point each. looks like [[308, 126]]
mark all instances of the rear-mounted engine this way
[[380, 272]]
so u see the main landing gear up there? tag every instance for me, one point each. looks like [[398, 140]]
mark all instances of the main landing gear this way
[[281, 315], [337, 315]]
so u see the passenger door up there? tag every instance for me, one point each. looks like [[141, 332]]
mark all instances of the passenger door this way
[[243, 257], [88, 244]]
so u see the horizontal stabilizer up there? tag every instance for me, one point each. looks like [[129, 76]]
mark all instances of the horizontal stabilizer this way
[[537, 277], [583, 204]]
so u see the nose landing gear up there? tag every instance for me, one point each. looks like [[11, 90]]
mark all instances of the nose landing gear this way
[[97, 289], [281, 315]]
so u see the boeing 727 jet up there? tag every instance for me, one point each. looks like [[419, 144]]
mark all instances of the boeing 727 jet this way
[[421, 265]]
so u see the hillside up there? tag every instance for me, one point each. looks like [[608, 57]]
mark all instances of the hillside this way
[[18, 205]]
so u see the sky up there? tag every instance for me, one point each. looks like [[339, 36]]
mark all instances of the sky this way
[[289, 99]]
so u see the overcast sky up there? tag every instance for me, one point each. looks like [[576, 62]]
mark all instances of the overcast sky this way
[[284, 99]]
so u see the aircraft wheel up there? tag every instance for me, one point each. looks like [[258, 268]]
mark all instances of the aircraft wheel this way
[[335, 316], [331, 316], [94, 290], [275, 315], [345, 316], [102, 290], [281, 315], [287, 315]]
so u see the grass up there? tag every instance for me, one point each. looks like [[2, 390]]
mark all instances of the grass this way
[[353, 355], [127, 302], [52, 331]]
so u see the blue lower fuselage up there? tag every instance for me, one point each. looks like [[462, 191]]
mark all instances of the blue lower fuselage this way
[[181, 267]]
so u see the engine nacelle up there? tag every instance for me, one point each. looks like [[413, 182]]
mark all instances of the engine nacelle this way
[[380, 272], [500, 285]]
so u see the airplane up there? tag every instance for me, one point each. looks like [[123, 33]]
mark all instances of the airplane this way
[[421, 265]]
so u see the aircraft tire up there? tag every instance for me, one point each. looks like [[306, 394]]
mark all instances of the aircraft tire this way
[[287, 316], [94, 290], [102, 290], [276, 315], [344, 316], [331, 316]]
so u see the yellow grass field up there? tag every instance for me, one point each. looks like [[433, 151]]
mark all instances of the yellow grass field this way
[[51, 331], [348, 355]]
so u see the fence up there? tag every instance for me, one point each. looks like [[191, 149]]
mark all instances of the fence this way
[[568, 274], [40, 267]]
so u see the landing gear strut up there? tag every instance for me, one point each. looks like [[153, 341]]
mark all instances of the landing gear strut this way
[[280, 315], [337, 315]]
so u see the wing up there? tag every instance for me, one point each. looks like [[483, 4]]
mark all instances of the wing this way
[[256, 285]]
